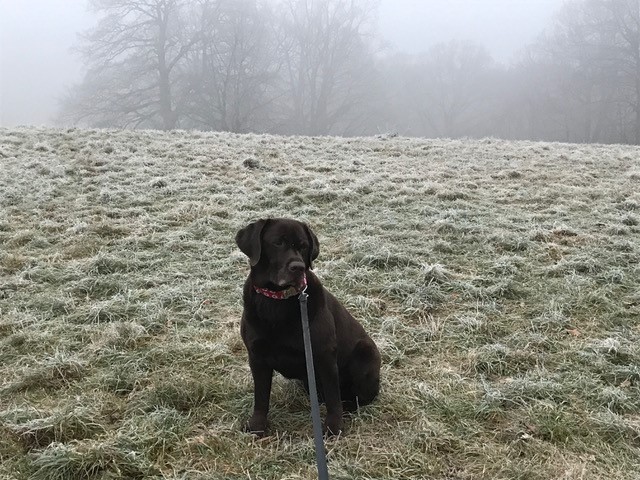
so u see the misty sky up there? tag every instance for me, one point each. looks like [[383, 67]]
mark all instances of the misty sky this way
[[36, 37]]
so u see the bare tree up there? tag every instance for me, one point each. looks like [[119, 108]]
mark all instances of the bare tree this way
[[133, 58], [592, 59], [624, 22], [446, 89], [234, 70], [327, 62]]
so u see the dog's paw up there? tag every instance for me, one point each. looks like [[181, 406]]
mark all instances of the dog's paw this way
[[333, 426], [257, 425]]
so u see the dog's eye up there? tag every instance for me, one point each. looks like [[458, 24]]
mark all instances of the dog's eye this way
[[279, 242]]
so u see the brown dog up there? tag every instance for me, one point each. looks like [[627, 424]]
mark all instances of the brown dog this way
[[346, 360]]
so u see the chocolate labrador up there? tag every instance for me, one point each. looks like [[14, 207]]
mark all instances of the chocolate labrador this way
[[346, 360]]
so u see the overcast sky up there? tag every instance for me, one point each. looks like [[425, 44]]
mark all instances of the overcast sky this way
[[36, 37]]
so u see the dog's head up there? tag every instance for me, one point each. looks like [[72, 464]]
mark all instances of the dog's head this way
[[280, 251]]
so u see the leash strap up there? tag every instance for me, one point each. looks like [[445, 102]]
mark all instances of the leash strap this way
[[321, 458]]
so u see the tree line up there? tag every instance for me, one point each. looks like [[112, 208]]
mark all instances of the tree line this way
[[316, 67]]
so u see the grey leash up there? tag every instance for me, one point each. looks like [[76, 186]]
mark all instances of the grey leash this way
[[321, 458]]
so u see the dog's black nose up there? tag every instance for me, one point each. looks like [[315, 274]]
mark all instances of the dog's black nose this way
[[297, 267]]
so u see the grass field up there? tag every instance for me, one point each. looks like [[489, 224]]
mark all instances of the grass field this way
[[499, 280]]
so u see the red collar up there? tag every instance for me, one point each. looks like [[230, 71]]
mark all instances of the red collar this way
[[283, 294]]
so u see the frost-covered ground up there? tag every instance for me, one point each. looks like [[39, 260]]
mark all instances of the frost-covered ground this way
[[500, 280]]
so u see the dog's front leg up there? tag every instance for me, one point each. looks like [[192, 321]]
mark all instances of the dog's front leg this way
[[262, 376]]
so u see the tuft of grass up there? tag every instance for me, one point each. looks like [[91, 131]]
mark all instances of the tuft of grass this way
[[34, 429], [436, 273], [89, 459], [182, 394], [54, 372], [498, 360]]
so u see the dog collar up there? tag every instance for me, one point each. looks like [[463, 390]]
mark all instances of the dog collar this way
[[283, 294]]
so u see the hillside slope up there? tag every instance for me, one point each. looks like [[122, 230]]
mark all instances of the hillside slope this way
[[499, 279]]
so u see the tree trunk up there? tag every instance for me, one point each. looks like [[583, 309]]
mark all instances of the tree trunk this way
[[166, 111]]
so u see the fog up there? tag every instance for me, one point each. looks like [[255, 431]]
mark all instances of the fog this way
[[502, 26], [435, 68], [36, 62], [37, 36]]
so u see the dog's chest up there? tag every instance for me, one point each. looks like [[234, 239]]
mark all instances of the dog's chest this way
[[285, 354], [279, 341], [279, 316]]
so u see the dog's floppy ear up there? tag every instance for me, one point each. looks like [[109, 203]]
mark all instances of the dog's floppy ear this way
[[249, 240], [314, 245]]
